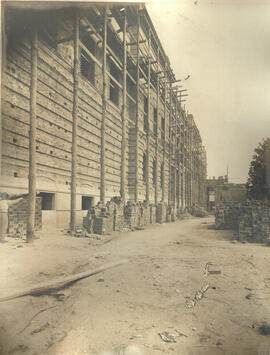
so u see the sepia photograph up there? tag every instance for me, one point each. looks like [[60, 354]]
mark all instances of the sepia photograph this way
[[135, 177]]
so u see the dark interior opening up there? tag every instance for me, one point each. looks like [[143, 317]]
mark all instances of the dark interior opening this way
[[47, 201], [114, 89], [87, 202], [87, 67]]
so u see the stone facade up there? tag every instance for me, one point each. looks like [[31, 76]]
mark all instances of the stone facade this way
[[164, 157]]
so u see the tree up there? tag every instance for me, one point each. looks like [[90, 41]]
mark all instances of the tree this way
[[258, 183]]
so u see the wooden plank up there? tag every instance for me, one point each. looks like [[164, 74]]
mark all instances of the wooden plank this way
[[43, 91], [90, 55], [48, 56], [89, 152], [87, 135], [20, 166], [89, 129], [18, 72], [84, 97], [13, 111], [50, 286], [53, 106], [89, 114], [11, 150], [21, 64], [57, 161], [90, 93]]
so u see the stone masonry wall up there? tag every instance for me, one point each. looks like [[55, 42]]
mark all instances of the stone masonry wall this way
[[17, 217], [251, 219], [114, 216]]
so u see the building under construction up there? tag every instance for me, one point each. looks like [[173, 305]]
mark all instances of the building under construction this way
[[91, 109]]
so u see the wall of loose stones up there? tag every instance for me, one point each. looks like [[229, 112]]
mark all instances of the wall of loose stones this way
[[115, 216], [17, 217], [251, 219]]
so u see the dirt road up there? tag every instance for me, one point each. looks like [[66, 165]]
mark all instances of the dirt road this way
[[151, 301]]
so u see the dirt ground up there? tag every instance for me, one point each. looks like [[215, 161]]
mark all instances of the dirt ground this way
[[148, 301]]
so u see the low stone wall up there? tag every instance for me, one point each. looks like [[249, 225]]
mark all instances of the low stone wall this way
[[17, 217], [254, 223], [105, 219], [251, 219], [115, 216], [198, 211], [226, 215], [137, 214]]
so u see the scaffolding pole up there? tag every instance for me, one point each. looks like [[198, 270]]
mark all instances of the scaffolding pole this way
[[157, 127], [148, 118], [164, 133], [74, 164], [30, 234], [170, 146], [104, 103], [124, 109], [137, 107]]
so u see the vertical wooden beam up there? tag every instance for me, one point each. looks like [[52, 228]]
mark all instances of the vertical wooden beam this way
[[148, 117], [174, 185], [74, 162], [137, 106], [177, 163], [30, 233], [124, 109], [173, 149], [182, 188], [156, 141], [170, 145], [164, 141], [193, 182], [190, 164], [185, 164], [104, 103], [190, 167]]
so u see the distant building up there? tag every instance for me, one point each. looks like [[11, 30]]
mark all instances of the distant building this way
[[220, 190]]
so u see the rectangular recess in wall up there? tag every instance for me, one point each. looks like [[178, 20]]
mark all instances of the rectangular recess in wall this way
[[87, 202], [47, 201]]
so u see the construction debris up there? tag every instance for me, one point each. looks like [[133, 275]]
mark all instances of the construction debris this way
[[171, 338], [167, 338], [33, 317], [190, 303], [251, 219], [264, 329], [50, 286], [214, 272]]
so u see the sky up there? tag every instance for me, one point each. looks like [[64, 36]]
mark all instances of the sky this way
[[225, 48]]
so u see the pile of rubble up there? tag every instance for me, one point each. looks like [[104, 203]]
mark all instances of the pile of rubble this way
[[226, 215], [198, 211], [116, 216], [105, 219], [250, 218], [17, 217]]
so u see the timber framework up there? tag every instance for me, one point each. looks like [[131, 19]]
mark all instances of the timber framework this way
[[91, 109]]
